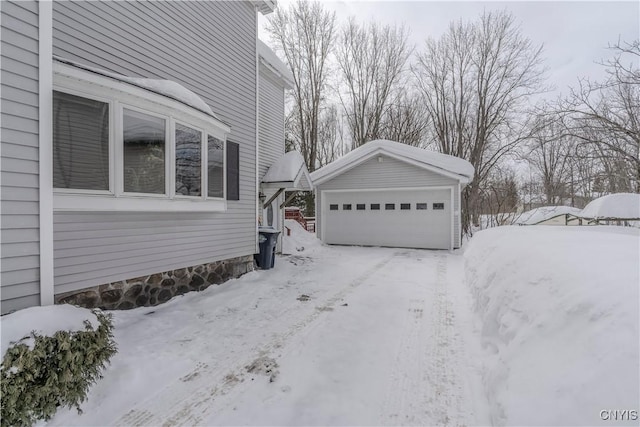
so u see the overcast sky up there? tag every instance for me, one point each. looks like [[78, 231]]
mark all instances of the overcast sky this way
[[575, 34]]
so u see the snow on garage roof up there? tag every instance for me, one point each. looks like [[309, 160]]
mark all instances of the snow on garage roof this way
[[289, 170], [613, 206], [441, 163], [537, 215], [166, 88]]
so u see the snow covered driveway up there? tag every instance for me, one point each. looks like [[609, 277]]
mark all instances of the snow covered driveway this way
[[332, 336]]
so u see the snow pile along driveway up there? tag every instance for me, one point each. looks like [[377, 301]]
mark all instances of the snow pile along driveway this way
[[559, 307]]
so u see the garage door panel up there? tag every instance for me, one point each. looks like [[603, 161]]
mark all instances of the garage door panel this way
[[412, 227]]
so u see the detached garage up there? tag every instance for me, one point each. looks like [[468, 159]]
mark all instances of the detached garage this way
[[389, 194]]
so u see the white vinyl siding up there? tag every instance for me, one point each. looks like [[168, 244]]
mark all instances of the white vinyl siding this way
[[19, 211], [271, 126], [208, 47]]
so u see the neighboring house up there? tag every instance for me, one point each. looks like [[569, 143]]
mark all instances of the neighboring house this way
[[389, 194], [619, 208], [550, 215], [277, 173], [134, 139]]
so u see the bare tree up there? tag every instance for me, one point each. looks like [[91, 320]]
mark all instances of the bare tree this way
[[475, 81], [499, 198], [405, 120], [372, 59], [607, 117], [305, 34], [550, 152]]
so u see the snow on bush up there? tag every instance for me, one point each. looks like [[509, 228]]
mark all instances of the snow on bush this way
[[50, 358], [559, 311]]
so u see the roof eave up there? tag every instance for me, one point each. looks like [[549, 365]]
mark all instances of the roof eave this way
[[265, 6], [464, 180]]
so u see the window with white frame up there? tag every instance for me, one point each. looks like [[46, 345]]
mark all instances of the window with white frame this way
[[80, 142], [117, 146], [188, 161]]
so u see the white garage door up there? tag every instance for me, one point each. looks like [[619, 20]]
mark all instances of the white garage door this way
[[398, 218]]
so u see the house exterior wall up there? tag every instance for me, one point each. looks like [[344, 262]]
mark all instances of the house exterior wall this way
[[271, 121], [208, 47], [390, 173], [19, 194]]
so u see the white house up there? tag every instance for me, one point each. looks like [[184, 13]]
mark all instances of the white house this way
[[135, 136], [385, 193]]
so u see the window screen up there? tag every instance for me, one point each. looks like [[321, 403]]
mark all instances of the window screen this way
[[438, 206], [144, 152], [188, 161], [405, 206], [80, 142], [389, 206], [233, 171], [215, 166], [361, 206], [375, 206]]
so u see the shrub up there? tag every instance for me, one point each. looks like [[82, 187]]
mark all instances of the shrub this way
[[56, 371]]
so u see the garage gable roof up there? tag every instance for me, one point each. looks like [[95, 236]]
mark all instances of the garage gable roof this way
[[443, 164]]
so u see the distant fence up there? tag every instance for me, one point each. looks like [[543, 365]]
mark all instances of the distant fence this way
[[308, 223]]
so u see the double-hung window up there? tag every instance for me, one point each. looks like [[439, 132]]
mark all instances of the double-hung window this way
[[119, 146]]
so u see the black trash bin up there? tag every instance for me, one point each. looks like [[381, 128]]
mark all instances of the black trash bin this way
[[267, 240]]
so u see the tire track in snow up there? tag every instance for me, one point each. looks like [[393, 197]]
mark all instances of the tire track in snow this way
[[446, 395], [426, 386], [188, 400], [404, 401]]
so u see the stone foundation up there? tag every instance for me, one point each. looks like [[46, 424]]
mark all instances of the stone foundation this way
[[157, 288]]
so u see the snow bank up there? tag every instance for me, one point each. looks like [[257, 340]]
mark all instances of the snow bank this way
[[300, 239], [618, 206], [559, 311], [43, 320], [544, 213]]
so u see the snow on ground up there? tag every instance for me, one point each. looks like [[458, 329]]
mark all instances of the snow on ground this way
[[545, 332], [299, 241], [559, 309], [330, 336]]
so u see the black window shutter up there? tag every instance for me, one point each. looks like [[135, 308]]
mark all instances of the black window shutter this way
[[233, 171]]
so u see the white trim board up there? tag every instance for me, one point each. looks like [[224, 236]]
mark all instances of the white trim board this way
[[45, 148]]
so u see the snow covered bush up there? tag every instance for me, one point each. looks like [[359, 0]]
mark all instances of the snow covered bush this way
[[43, 371]]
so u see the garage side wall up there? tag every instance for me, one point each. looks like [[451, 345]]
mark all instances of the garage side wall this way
[[390, 173]]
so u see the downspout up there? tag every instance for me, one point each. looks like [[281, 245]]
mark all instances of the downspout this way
[[45, 149], [257, 71]]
